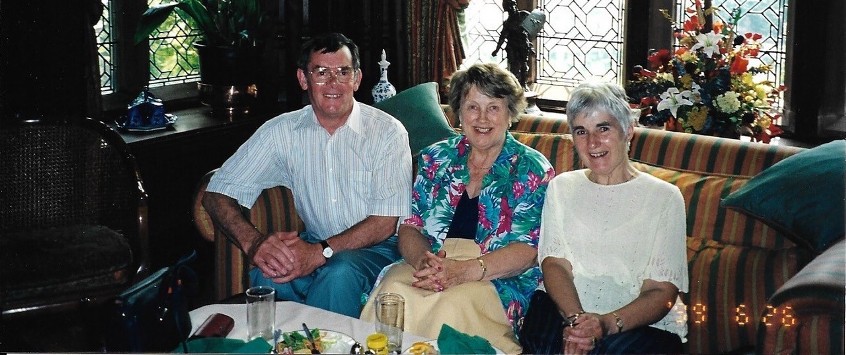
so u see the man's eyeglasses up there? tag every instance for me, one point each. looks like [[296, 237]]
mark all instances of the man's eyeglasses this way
[[321, 75]]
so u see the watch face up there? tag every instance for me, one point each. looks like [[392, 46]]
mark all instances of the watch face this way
[[327, 250]]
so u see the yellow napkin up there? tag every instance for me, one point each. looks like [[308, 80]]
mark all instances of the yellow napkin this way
[[224, 345], [451, 341]]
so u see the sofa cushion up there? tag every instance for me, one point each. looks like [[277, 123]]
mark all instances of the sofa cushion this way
[[803, 196], [729, 289], [541, 124], [61, 260], [419, 110], [706, 219], [705, 154], [557, 148], [813, 298]]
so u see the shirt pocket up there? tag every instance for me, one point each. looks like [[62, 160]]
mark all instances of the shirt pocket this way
[[359, 185]]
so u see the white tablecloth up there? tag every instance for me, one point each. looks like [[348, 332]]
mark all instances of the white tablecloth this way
[[290, 316]]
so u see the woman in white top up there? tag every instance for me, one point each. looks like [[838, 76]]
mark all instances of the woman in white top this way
[[612, 241]]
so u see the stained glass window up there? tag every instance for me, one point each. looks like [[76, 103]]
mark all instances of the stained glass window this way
[[105, 48], [173, 58], [584, 39], [580, 40]]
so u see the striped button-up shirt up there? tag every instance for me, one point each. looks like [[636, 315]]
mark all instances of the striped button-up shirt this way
[[337, 180]]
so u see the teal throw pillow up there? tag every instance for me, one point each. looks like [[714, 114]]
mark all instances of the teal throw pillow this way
[[802, 196], [419, 110]]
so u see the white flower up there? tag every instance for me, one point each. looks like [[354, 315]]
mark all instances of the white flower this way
[[709, 42], [672, 99], [695, 92], [728, 102]]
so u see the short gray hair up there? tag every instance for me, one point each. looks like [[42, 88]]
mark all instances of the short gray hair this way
[[590, 97]]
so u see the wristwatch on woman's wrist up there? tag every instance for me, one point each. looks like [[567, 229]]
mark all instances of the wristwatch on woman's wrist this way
[[618, 322]]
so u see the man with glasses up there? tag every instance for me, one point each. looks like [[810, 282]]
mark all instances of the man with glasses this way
[[349, 168]]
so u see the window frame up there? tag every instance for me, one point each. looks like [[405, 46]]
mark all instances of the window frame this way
[[131, 63]]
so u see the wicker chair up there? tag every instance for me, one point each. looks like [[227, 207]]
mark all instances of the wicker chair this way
[[73, 216]]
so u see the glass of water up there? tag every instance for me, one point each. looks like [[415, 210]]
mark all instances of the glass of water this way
[[261, 312], [390, 319]]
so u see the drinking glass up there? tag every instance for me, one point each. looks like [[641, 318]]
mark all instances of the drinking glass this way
[[261, 312], [390, 319]]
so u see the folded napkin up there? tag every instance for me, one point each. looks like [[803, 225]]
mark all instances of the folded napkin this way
[[451, 341], [224, 345]]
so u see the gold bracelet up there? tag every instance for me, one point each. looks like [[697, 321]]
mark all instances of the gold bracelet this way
[[618, 322], [484, 269]]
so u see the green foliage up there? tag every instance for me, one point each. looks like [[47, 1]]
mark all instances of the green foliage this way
[[223, 22]]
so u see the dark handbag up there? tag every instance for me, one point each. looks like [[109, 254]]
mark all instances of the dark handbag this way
[[541, 329], [152, 315]]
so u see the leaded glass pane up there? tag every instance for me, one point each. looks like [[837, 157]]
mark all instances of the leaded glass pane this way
[[483, 20], [105, 46], [173, 59], [581, 39]]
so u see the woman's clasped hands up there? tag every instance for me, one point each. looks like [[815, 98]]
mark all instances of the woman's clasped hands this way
[[581, 335], [437, 273]]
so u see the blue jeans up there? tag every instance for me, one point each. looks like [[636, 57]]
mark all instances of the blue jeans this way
[[339, 284]]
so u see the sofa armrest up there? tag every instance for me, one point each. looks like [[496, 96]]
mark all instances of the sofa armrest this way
[[202, 220], [806, 314], [273, 211]]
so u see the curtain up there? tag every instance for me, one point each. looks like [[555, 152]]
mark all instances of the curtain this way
[[435, 40]]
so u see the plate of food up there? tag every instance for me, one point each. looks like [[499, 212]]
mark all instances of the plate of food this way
[[430, 347], [327, 341], [423, 348]]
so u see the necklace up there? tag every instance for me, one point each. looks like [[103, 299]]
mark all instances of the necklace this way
[[472, 164]]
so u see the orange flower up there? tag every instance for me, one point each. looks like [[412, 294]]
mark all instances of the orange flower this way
[[739, 65], [718, 27], [753, 36], [692, 24]]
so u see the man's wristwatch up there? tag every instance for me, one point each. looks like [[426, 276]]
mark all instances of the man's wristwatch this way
[[327, 250]]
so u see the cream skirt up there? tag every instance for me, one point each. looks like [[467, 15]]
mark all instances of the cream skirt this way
[[473, 308]]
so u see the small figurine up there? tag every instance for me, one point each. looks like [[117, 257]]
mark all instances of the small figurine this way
[[518, 31]]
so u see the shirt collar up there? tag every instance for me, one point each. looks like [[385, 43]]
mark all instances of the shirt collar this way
[[354, 122]]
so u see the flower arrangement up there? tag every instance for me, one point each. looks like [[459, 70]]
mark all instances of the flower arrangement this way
[[707, 85]]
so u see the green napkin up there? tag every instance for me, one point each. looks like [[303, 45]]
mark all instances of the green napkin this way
[[224, 345], [451, 341]]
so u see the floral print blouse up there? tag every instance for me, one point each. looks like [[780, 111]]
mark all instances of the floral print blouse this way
[[510, 205]]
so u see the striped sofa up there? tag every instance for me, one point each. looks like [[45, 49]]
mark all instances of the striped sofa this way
[[736, 262]]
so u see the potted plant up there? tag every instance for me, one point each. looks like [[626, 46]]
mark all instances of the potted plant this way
[[230, 51]]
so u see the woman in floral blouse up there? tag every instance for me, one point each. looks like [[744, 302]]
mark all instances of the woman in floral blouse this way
[[471, 241]]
